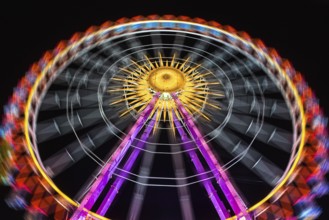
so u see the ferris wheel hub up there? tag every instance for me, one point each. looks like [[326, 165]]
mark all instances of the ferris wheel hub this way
[[166, 79]]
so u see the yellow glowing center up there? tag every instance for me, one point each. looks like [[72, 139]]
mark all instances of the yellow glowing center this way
[[166, 79]]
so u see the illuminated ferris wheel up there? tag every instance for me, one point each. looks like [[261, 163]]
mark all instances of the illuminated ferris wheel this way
[[150, 115]]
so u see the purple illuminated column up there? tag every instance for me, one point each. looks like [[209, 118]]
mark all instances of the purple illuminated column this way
[[108, 169], [127, 167], [218, 204], [229, 191]]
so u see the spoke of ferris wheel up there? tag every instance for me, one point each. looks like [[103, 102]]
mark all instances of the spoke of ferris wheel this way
[[199, 47], [113, 50], [156, 40], [241, 67], [55, 100], [110, 166], [71, 154], [232, 69], [83, 118], [59, 97], [221, 56], [179, 40], [247, 84], [180, 173], [135, 45], [229, 191], [79, 75], [236, 71], [110, 196], [249, 105], [267, 133], [52, 128], [94, 62], [218, 204], [145, 170], [250, 157]]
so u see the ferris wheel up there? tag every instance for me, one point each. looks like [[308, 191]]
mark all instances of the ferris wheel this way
[[153, 115]]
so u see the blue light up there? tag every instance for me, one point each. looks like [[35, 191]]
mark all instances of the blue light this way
[[31, 77], [16, 201], [168, 24], [324, 165], [21, 92], [321, 189], [215, 33], [120, 29], [136, 26], [151, 25], [231, 39], [184, 26], [2, 132], [310, 212], [198, 28]]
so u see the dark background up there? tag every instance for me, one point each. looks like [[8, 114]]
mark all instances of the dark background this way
[[299, 32]]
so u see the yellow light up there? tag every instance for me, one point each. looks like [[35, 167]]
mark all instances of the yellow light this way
[[149, 77]]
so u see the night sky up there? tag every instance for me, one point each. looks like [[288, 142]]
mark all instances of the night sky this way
[[299, 32]]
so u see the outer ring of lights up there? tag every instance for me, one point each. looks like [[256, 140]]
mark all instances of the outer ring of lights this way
[[228, 31]]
